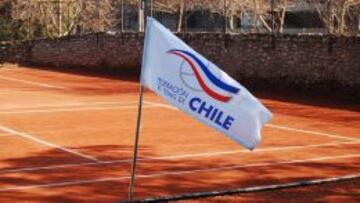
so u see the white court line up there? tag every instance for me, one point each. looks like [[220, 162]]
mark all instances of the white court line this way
[[161, 105], [80, 129], [167, 173], [311, 132], [31, 137], [175, 157], [73, 109], [5, 134], [3, 90], [276, 126], [75, 104], [33, 83]]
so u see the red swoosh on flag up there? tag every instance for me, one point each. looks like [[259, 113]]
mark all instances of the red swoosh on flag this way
[[201, 81]]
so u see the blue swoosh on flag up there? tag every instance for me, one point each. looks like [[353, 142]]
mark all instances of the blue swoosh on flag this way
[[222, 85]]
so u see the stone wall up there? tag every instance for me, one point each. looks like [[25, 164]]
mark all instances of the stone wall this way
[[99, 51], [307, 62], [18, 52]]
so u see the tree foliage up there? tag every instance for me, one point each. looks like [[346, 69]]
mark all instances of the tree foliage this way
[[339, 16], [27, 19]]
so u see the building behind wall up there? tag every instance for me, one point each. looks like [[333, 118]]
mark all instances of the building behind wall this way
[[298, 19]]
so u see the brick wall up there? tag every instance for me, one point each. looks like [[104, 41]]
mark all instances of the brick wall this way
[[308, 62], [98, 51], [18, 52]]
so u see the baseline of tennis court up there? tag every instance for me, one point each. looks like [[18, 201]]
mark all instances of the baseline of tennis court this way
[[68, 137]]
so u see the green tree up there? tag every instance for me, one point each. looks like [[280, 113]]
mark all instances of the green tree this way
[[5, 20]]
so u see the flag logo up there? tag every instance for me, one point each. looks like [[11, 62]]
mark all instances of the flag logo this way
[[195, 63], [198, 87]]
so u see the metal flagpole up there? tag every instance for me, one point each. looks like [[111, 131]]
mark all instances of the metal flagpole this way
[[137, 133], [136, 143]]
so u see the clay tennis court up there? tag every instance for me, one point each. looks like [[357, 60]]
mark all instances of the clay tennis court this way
[[68, 137]]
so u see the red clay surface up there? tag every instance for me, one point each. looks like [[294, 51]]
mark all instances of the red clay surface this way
[[69, 138]]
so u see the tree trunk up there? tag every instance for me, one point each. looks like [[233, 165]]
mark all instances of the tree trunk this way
[[358, 24], [262, 20], [282, 20], [282, 17], [122, 16], [181, 15], [342, 23], [59, 18], [255, 16], [231, 22], [140, 16], [330, 17]]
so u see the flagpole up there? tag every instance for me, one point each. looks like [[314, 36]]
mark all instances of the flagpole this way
[[138, 122], [136, 143]]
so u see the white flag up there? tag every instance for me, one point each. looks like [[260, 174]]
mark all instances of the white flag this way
[[198, 87]]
